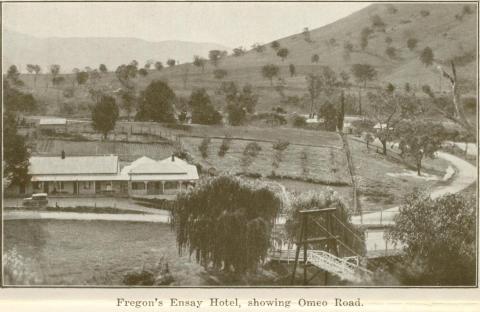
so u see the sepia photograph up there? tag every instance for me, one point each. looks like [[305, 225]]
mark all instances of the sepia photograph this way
[[240, 144]]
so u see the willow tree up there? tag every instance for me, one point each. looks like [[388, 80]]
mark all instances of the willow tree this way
[[226, 223], [351, 237]]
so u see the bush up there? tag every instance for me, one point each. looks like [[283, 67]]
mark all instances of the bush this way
[[220, 73], [412, 43], [467, 9], [143, 278], [249, 153], [224, 147], [391, 52], [439, 239], [377, 22], [236, 115], [252, 149], [279, 110], [362, 125], [470, 103], [281, 145], [176, 126], [304, 162], [299, 121], [424, 13], [292, 100], [69, 92], [272, 119], [203, 147], [391, 9]]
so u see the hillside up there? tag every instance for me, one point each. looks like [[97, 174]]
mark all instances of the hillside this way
[[450, 33], [21, 49]]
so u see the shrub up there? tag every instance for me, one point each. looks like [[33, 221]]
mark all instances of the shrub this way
[[299, 121], [178, 126], [275, 119], [439, 239], [292, 100], [366, 32], [249, 153], [464, 59], [69, 92], [412, 43], [391, 52], [220, 73], [252, 149], [424, 13], [470, 103], [467, 9], [224, 147], [281, 145], [304, 162], [203, 147], [236, 114], [279, 110], [391, 9], [427, 57], [377, 22], [143, 278]]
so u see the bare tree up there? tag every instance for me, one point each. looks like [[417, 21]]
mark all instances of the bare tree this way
[[459, 115]]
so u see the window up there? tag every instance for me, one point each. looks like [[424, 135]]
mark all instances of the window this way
[[138, 186], [37, 185], [87, 185]]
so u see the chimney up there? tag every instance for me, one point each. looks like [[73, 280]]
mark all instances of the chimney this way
[[63, 154], [173, 157]]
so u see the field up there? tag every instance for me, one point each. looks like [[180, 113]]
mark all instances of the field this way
[[106, 251], [324, 164]]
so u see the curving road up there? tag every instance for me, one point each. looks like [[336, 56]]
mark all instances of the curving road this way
[[466, 174]]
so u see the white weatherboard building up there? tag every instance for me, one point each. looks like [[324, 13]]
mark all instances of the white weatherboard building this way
[[92, 175]]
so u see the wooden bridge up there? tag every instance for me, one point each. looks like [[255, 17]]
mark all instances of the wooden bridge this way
[[329, 252], [347, 268]]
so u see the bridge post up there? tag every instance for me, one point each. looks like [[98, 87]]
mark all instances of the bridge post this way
[[297, 254], [302, 240], [305, 246]]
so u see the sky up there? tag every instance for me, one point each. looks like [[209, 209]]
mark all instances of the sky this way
[[230, 24]]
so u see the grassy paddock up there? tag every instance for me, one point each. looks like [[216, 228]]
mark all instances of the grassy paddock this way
[[325, 164], [96, 252]]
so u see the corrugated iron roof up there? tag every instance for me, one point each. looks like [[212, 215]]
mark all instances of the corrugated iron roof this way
[[73, 165], [52, 121], [105, 168]]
